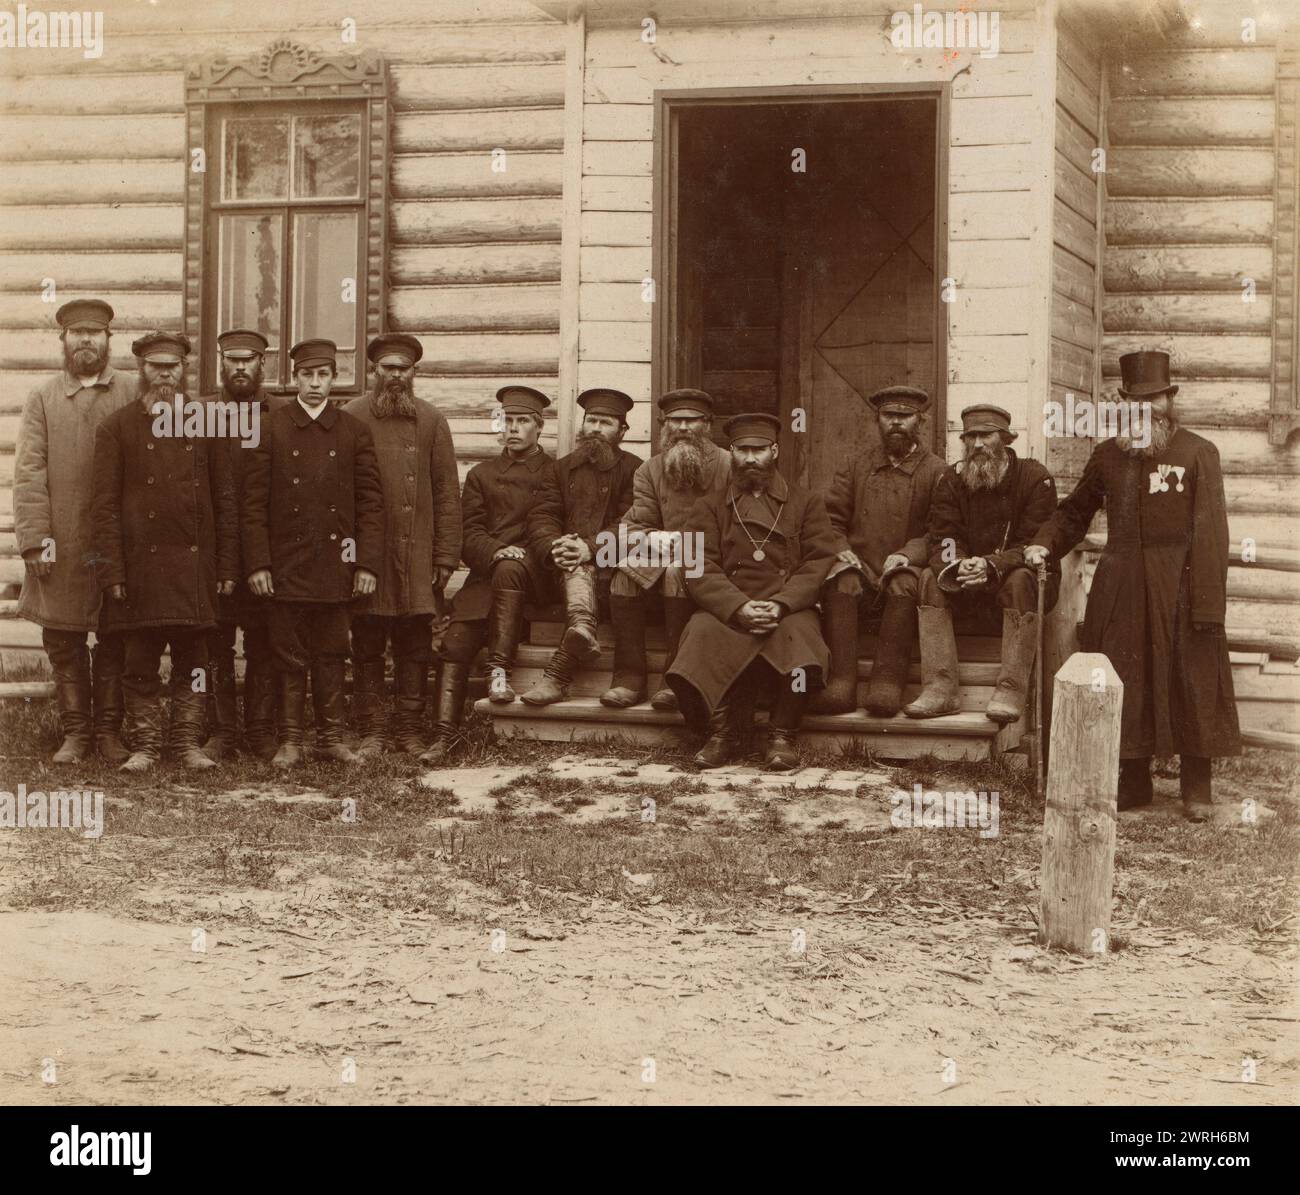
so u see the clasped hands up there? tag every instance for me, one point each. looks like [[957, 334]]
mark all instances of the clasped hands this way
[[570, 551], [758, 617]]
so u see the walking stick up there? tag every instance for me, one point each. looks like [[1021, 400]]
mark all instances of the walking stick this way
[[1040, 741]]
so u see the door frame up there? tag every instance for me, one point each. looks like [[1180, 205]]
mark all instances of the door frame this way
[[664, 265]]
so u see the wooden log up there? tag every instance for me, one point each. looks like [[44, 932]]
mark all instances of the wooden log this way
[[512, 307], [1218, 120], [131, 180], [474, 395], [442, 264], [493, 354], [1206, 355], [481, 173], [1187, 268], [1243, 70], [522, 129], [136, 94], [28, 138], [466, 221], [1079, 820], [1188, 221], [1157, 170], [94, 272], [509, 85], [1147, 312], [149, 309], [130, 226], [40, 353]]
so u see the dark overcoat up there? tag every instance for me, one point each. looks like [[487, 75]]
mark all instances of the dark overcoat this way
[[1164, 570], [164, 523], [312, 485], [798, 554]]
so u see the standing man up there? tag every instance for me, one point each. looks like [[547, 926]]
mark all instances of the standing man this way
[[879, 507], [242, 355], [688, 466], [417, 468], [768, 546], [313, 540], [166, 543], [984, 511], [52, 523], [1159, 595], [593, 489]]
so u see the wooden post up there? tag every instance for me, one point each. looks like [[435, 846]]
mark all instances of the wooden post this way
[[1079, 821]]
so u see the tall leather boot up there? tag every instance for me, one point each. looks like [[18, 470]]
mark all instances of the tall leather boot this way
[[186, 730], [840, 627], [72, 695], [580, 615], [260, 702], [505, 626], [554, 685], [448, 707], [327, 702], [412, 698], [368, 705], [291, 695], [726, 735], [1194, 787], [223, 716], [144, 731], [628, 684], [941, 693], [782, 753], [1134, 783], [893, 657], [677, 613], [106, 665], [1019, 639]]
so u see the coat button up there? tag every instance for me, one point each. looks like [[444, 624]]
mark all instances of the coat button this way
[[149, 445], [333, 453], [331, 508], [189, 447], [194, 547], [151, 514], [406, 506], [334, 535], [410, 477], [153, 547], [295, 510], [295, 481], [295, 452], [149, 481]]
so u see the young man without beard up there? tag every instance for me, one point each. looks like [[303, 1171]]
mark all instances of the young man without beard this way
[[879, 506], [593, 489], [53, 490], [417, 466], [242, 356], [166, 544], [1159, 595], [506, 566], [982, 515], [313, 541], [687, 467], [768, 546]]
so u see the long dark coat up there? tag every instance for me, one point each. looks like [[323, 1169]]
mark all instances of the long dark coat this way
[[164, 516], [1165, 568], [311, 485], [797, 556], [494, 505]]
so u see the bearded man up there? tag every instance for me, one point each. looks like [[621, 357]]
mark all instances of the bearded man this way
[[417, 468], [982, 515], [1158, 598], [688, 467], [53, 491], [579, 513]]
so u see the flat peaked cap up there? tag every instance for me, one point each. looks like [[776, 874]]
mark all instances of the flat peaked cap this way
[[522, 400], [84, 313], [1145, 374], [686, 399], [242, 341], [756, 428], [163, 348], [308, 354], [603, 401], [899, 398], [984, 417], [397, 343]]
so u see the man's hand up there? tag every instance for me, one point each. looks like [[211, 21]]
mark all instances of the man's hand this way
[[569, 551], [508, 553], [973, 572], [364, 583], [36, 567], [441, 575], [753, 617], [259, 583], [850, 557], [894, 560], [225, 588], [773, 614], [117, 592], [1036, 555]]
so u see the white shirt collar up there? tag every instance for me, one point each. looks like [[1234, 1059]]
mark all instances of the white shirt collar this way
[[316, 412]]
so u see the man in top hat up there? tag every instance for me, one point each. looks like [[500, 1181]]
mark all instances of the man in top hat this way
[[768, 546], [507, 567], [982, 515], [580, 513], [417, 467], [53, 488], [879, 506], [313, 542], [166, 543], [1158, 598], [242, 356], [688, 466]]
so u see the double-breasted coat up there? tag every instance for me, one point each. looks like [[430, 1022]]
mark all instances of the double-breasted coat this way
[[1164, 571], [53, 492], [798, 548], [585, 500], [313, 504], [417, 468], [164, 523]]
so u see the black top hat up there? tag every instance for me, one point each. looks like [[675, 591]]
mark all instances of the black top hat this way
[[1145, 374]]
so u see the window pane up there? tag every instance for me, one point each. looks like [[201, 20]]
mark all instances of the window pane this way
[[325, 284], [255, 158], [251, 256], [327, 156]]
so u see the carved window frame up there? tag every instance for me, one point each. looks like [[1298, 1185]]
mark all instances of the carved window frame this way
[[1284, 404]]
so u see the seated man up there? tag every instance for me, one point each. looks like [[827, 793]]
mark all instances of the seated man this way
[[985, 510], [767, 547]]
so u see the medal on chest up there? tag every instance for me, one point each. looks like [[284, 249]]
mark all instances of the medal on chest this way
[[1163, 475], [759, 554]]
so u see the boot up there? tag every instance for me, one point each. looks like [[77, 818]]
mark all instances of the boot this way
[[725, 737], [893, 656], [627, 685], [1134, 783], [941, 694], [580, 613], [368, 703], [187, 726], [291, 694], [1194, 787], [782, 753], [260, 702], [412, 697], [72, 694], [677, 613], [106, 684], [505, 626], [222, 713], [448, 706], [554, 685], [144, 730], [327, 702], [1019, 640], [840, 627]]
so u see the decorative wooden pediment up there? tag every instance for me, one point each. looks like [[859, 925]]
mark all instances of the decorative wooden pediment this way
[[286, 70]]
